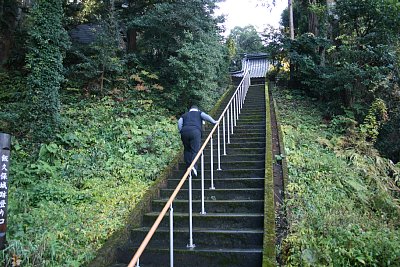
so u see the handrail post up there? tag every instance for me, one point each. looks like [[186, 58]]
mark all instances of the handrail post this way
[[223, 133], [231, 119], [212, 164], [171, 236], [203, 211], [227, 124], [219, 152], [243, 88], [234, 110], [138, 263], [240, 97], [190, 245], [237, 109], [248, 83]]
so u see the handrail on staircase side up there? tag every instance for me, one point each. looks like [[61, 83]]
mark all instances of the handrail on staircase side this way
[[232, 111]]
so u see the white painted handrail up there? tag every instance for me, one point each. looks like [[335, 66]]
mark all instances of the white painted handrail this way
[[231, 112]]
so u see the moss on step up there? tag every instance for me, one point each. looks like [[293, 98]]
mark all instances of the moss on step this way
[[285, 171], [269, 255]]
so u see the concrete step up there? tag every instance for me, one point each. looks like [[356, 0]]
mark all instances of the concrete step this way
[[253, 110], [260, 127], [213, 206], [247, 115], [246, 134], [220, 183], [237, 133], [237, 150], [249, 138], [235, 157], [217, 194], [249, 126], [240, 127], [226, 165], [250, 119], [240, 145], [210, 238], [199, 257], [210, 220], [236, 173]]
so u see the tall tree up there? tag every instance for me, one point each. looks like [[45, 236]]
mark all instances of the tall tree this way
[[291, 19], [46, 43], [134, 9], [232, 51], [247, 39], [99, 60], [244, 40], [168, 32]]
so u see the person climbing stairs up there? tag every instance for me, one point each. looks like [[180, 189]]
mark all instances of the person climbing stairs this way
[[230, 233]]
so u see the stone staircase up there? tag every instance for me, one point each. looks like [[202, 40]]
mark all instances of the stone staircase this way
[[231, 231]]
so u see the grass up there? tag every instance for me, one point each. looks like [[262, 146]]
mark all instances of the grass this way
[[342, 196], [65, 203]]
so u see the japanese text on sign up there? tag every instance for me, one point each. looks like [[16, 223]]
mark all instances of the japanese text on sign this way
[[3, 185]]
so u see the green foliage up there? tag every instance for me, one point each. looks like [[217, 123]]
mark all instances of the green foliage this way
[[7, 15], [46, 42], [99, 61], [343, 197], [82, 164], [13, 112], [179, 43], [349, 60], [246, 40], [377, 115], [198, 68], [65, 202], [85, 11], [232, 49]]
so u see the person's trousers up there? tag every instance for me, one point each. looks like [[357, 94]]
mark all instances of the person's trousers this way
[[191, 139]]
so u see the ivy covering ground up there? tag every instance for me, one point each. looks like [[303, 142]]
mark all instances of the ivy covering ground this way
[[65, 203], [343, 198]]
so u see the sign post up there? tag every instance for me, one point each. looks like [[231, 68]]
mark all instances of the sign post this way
[[5, 146]]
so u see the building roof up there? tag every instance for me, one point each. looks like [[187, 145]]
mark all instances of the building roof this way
[[257, 64], [85, 33]]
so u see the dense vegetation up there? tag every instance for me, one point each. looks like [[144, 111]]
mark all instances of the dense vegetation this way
[[67, 200], [93, 118], [343, 197], [346, 54], [242, 41]]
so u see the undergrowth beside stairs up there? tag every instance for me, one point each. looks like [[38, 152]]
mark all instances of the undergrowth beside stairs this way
[[65, 203], [343, 206]]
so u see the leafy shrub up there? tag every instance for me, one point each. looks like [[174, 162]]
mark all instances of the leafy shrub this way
[[343, 197], [67, 198], [13, 112], [46, 42]]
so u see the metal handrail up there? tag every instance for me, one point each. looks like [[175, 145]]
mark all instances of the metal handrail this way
[[232, 111]]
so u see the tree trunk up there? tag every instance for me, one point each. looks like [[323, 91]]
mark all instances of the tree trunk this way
[[291, 23], [322, 52], [327, 33], [313, 21], [102, 80], [291, 26], [131, 40]]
